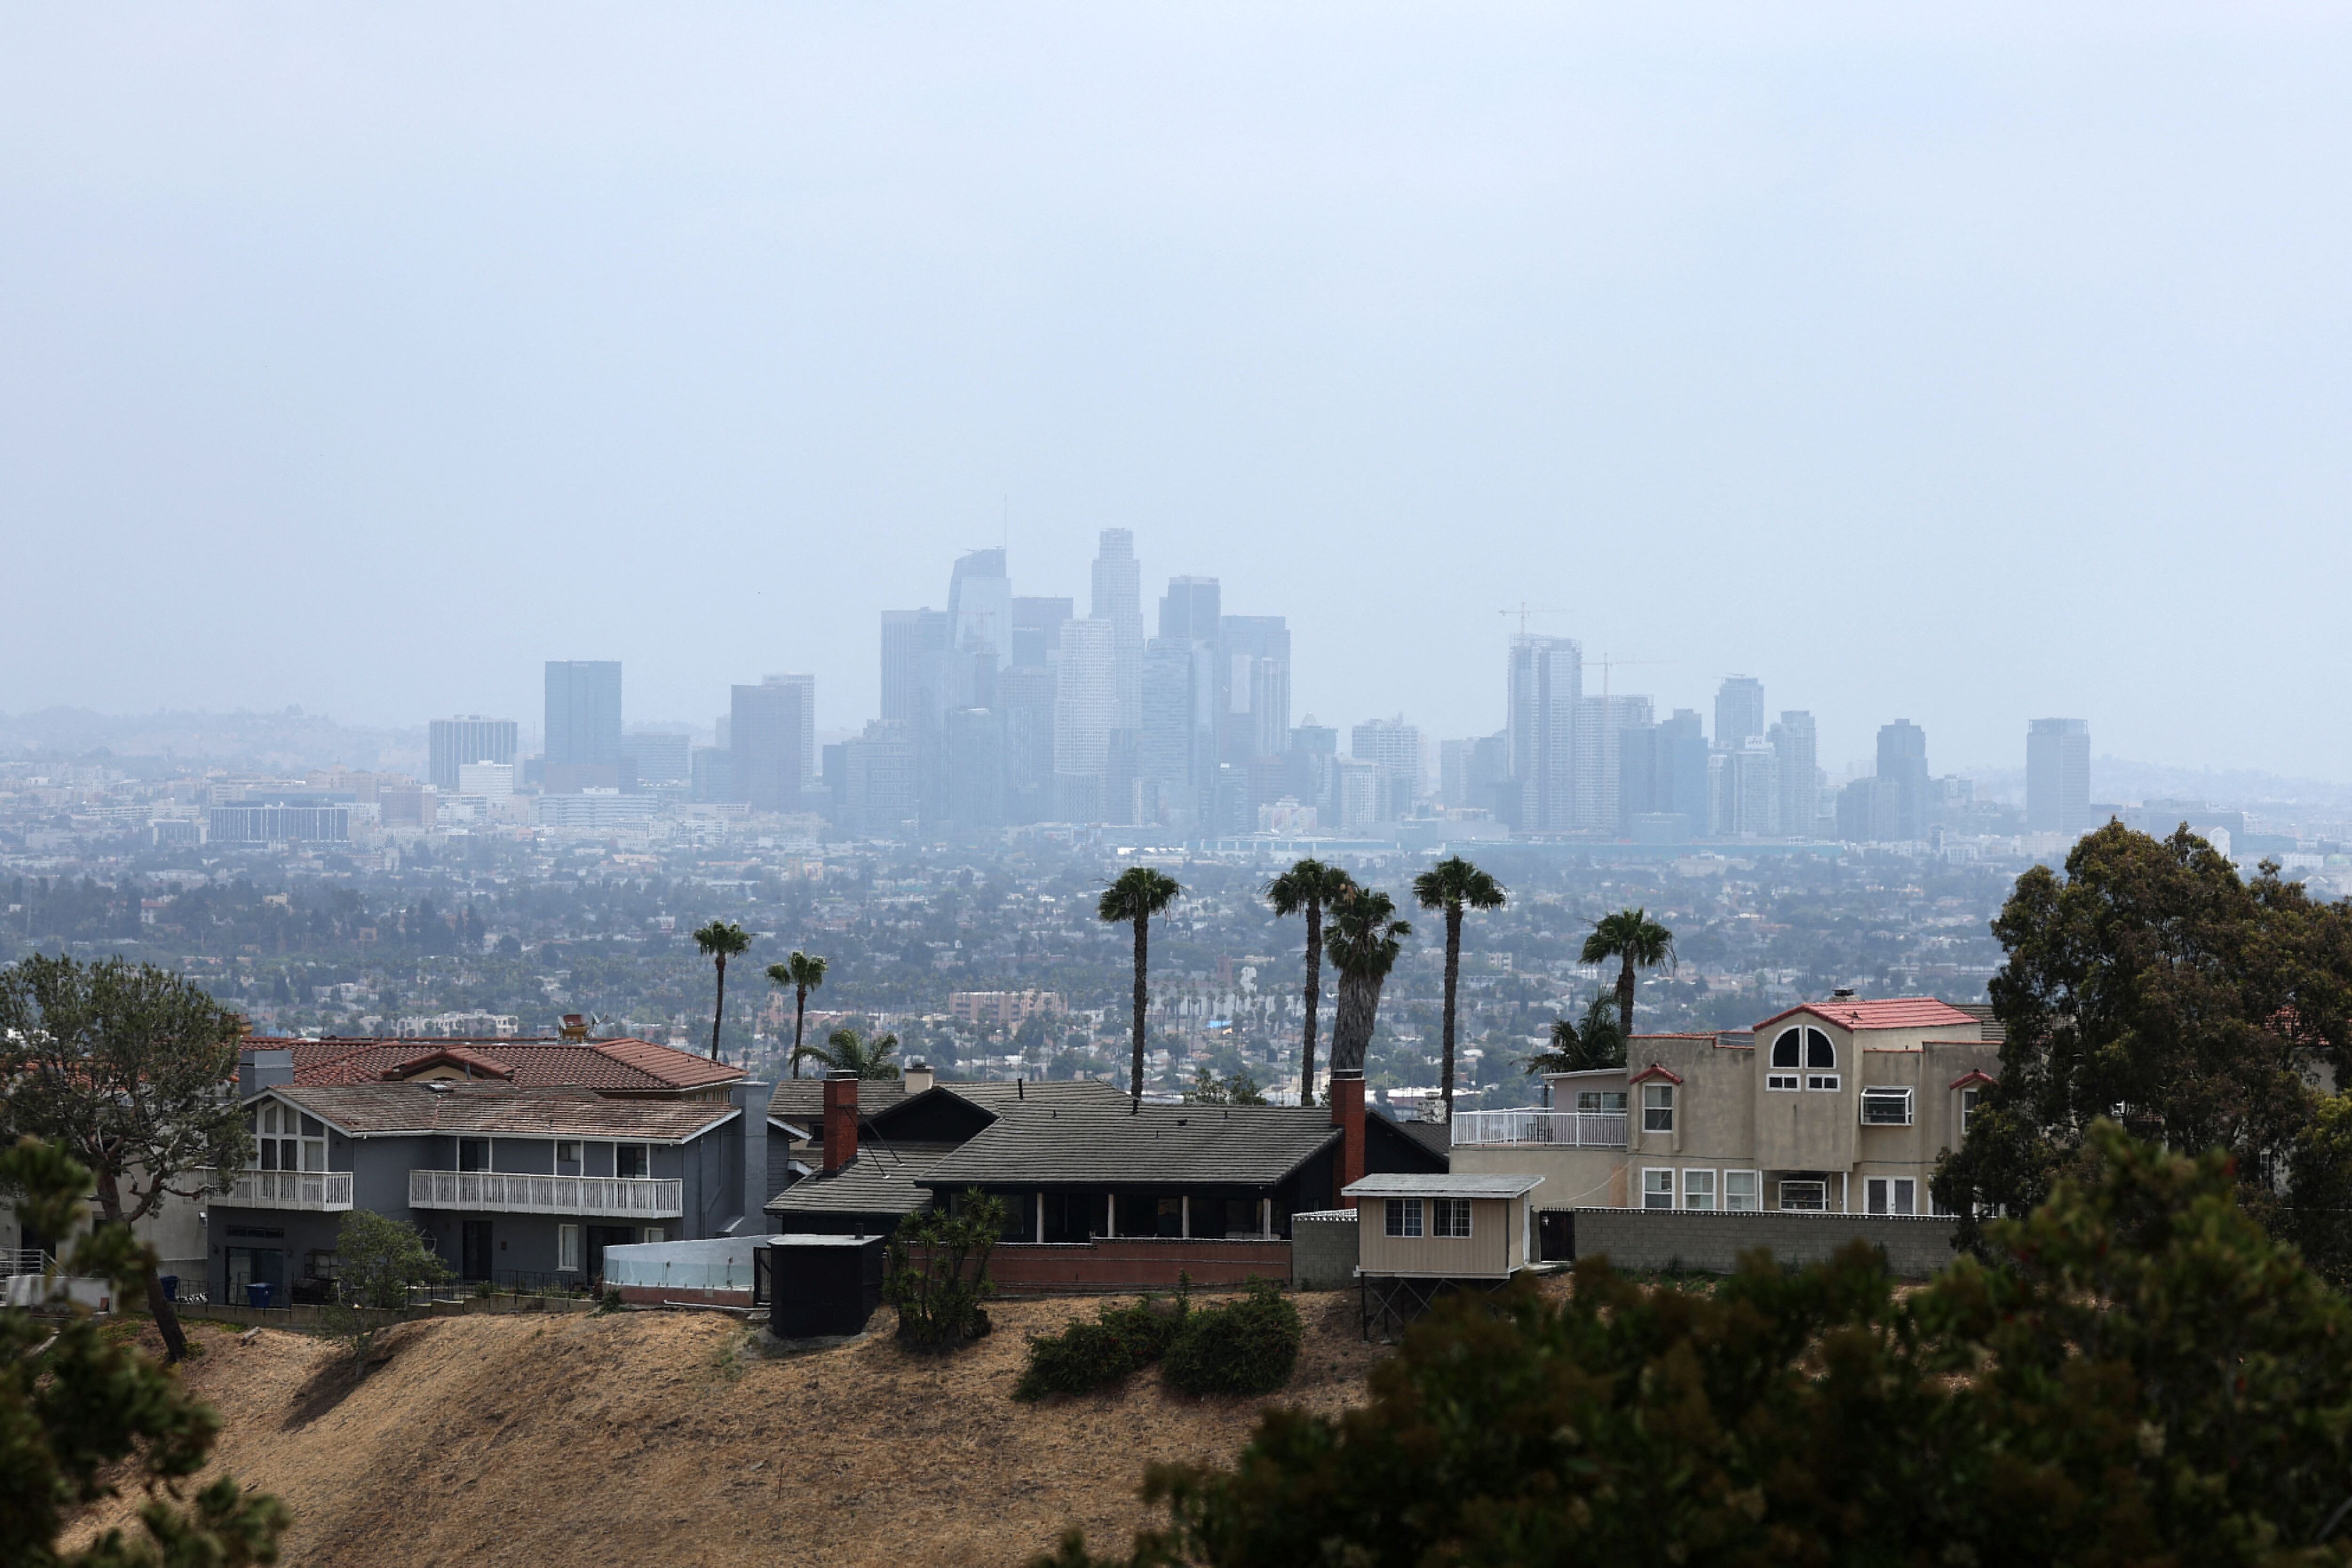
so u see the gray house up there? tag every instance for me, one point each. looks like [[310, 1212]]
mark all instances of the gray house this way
[[513, 1185]]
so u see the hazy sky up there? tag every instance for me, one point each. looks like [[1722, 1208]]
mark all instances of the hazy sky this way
[[1959, 363]]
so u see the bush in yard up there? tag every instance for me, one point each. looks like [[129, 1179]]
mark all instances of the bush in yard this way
[[1249, 1346], [376, 1260], [1089, 1354], [939, 1289]]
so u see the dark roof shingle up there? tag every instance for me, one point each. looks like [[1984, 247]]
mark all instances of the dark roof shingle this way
[[478, 1108]]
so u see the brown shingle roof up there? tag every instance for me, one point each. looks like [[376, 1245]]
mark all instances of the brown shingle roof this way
[[609, 1065], [366, 1110]]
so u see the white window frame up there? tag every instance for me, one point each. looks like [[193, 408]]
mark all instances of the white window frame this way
[[1754, 1195], [1889, 1191], [1697, 1186], [1658, 1183], [1821, 1082], [1402, 1218], [1780, 1077], [1883, 1092], [1601, 1098], [655, 1234], [567, 1248], [1450, 1218], [1657, 1108], [569, 1148], [1970, 1098], [1780, 1195]]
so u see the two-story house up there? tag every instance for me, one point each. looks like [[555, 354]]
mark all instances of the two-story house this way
[[1843, 1106]]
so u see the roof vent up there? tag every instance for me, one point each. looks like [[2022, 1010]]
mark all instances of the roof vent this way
[[1842, 994], [438, 1085]]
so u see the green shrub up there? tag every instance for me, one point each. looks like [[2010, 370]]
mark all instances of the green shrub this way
[[1089, 1354], [1249, 1346], [936, 1272]]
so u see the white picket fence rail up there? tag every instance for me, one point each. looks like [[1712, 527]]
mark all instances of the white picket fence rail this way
[[501, 1192], [1558, 1129], [326, 1191]]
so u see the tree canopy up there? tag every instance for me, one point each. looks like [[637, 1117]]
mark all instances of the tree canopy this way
[[2137, 1374]]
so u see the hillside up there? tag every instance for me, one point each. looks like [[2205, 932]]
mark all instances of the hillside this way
[[544, 1440]]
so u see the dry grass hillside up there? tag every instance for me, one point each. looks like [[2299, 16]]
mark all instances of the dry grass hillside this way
[[572, 1438]]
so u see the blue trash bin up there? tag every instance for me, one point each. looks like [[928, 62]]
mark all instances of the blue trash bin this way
[[171, 1283], [256, 1295]]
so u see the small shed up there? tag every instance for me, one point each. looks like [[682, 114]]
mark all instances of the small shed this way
[[822, 1286], [1421, 1236]]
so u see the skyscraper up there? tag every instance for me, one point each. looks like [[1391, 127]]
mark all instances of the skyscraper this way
[[975, 752], [2058, 775], [451, 743], [1546, 682], [1119, 600], [1738, 709], [584, 725], [1176, 749], [1086, 711], [1799, 782], [1393, 748], [774, 733], [1189, 610], [979, 606], [908, 639], [1903, 765], [1037, 629], [1597, 760], [1254, 688]]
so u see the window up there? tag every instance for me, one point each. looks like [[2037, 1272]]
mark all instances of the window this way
[[1450, 1216], [473, 1154], [567, 1152], [1886, 1108], [1657, 1108], [1970, 1099], [1805, 1194], [630, 1159], [1698, 1189], [1891, 1194], [567, 1246], [1818, 1060], [286, 1140], [1403, 1216], [655, 1233], [1657, 1189], [1741, 1192], [1600, 1101]]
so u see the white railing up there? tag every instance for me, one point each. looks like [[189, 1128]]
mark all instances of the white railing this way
[[328, 1192], [15, 1260], [500, 1192], [1558, 1128]]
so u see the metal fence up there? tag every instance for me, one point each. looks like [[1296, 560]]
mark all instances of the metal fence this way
[[1556, 1128]]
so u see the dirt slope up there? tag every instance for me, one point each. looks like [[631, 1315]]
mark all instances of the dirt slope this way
[[568, 1439]]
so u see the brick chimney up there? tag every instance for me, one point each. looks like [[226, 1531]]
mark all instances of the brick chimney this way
[[840, 1119], [1348, 1115]]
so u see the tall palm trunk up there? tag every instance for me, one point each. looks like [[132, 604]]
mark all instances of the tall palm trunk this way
[[1453, 972], [167, 1318], [1314, 1001], [1352, 1027], [1142, 966], [719, 1008], [800, 1016], [1625, 1001]]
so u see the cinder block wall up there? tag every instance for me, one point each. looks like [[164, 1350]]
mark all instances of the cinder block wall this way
[[1652, 1240], [1323, 1250]]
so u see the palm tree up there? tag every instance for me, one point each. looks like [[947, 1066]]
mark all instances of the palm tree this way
[[804, 971], [846, 1051], [1631, 936], [1363, 943], [1139, 893], [1453, 885], [721, 940], [1581, 1047], [1309, 887]]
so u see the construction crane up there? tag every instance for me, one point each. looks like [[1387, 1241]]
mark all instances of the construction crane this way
[[1608, 664], [1523, 612]]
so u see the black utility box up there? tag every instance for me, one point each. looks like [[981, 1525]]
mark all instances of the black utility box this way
[[822, 1285]]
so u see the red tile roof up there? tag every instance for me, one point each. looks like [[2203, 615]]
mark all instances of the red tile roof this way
[[1889, 1013], [609, 1065]]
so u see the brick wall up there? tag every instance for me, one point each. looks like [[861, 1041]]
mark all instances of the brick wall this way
[[1143, 1264], [1651, 1240], [1323, 1250]]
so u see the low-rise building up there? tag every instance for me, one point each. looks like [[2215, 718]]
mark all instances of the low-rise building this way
[[1842, 1106]]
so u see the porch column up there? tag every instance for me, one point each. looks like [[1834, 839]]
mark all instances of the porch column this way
[[1265, 1219], [1041, 1216], [1184, 1217], [1110, 1214]]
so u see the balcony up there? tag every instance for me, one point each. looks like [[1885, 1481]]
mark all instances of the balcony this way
[[1541, 1129], [501, 1192], [321, 1192]]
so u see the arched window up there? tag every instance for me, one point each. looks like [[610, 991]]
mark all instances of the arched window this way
[[1786, 1047], [1808, 1048], [1820, 1062]]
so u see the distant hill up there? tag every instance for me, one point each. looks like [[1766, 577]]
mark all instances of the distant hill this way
[[287, 740]]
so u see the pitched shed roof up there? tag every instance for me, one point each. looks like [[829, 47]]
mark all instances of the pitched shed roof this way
[[477, 1109], [878, 1181], [1087, 1142], [609, 1065]]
